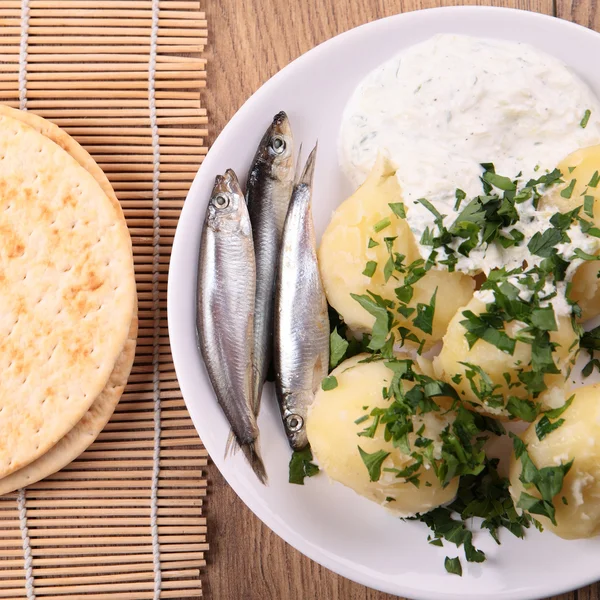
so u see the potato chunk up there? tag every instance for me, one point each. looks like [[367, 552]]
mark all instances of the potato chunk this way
[[577, 439], [332, 433], [499, 365], [344, 253], [583, 166]]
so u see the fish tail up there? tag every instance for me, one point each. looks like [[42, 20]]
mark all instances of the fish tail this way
[[307, 174], [298, 170], [232, 446], [252, 453]]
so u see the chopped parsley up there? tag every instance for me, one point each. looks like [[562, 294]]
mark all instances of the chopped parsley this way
[[301, 466], [460, 196], [588, 205], [521, 408], [381, 225], [546, 482], [544, 426], [338, 346], [484, 495], [370, 268], [373, 462], [329, 383], [398, 209], [453, 566], [568, 191], [586, 117]]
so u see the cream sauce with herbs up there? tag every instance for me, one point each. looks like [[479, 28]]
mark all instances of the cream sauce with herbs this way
[[444, 106]]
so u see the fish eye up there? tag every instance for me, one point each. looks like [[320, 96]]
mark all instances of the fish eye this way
[[278, 144], [221, 201], [294, 423]]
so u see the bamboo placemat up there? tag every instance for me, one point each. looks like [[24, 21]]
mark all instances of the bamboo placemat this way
[[124, 521]]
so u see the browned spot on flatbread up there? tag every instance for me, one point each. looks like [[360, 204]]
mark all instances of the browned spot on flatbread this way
[[45, 213], [69, 200], [77, 296], [11, 244]]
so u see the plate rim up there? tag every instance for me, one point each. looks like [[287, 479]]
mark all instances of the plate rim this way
[[178, 256]]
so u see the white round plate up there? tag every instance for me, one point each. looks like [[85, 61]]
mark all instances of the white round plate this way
[[327, 522]]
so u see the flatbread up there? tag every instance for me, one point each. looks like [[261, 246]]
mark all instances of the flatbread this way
[[67, 143], [67, 292], [76, 441]]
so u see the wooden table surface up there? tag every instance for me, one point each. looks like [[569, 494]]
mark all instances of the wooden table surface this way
[[250, 40]]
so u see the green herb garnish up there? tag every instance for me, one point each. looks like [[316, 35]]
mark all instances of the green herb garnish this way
[[338, 346], [370, 268], [398, 209], [380, 225], [301, 466], [329, 383], [586, 117], [453, 566], [373, 462]]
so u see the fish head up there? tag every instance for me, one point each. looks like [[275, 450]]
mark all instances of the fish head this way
[[295, 428], [227, 209], [277, 148]]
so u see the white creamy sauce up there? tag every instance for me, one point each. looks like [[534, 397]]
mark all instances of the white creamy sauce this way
[[442, 107]]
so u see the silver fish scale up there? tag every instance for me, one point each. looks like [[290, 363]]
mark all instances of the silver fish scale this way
[[301, 321], [267, 240], [226, 323]]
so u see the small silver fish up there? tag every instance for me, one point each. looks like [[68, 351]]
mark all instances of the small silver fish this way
[[225, 318], [268, 193], [301, 318]]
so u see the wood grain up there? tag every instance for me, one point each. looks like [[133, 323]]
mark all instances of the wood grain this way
[[249, 41]]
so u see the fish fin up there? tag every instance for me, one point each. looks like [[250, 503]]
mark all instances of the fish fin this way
[[252, 453], [257, 387], [232, 446], [309, 168], [298, 171], [319, 372]]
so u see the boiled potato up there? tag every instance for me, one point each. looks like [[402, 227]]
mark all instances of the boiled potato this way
[[344, 253], [332, 433], [581, 166], [496, 363], [577, 439]]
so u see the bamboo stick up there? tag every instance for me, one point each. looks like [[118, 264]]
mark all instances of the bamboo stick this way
[[171, 568], [46, 581], [82, 48], [126, 31], [101, 550], [118, 506], [83, 493], [68, 105], [162, 78], [84, 54], [111, 87], [133, 426], [140, 510], [94, 14], [104, 19], [133, 463], [140, 4], [185, 64], [184, 592], [115, 541], [166, 558]]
